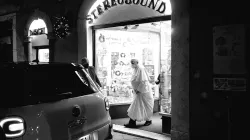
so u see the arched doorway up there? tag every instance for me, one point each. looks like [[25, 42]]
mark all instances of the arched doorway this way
[[38, 31], [128, 20]]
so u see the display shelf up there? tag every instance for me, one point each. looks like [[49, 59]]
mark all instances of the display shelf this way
[[165, 114], [166, 122]]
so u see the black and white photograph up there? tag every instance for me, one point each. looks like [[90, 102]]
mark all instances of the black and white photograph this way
[[124, 69]]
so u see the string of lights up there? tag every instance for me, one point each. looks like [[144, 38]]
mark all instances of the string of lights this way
[[61, 27]]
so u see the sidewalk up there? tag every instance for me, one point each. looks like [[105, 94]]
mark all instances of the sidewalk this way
[[123, 136], [134, 134], [141, 132], [155, 127]]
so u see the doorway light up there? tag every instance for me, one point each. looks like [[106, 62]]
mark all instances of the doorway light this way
[[39, 23]]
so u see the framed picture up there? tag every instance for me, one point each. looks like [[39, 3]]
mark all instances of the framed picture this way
[[229, 49]]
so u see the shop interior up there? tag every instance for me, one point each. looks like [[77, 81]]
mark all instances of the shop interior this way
[[150, 43]]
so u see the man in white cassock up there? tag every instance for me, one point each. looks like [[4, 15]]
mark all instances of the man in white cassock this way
[[141, 109]]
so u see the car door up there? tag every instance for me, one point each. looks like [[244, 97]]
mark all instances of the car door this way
[[54, 89], [92, 107], [49, 105], [76, 113]]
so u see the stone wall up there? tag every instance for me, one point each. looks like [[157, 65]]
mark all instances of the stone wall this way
[[213, 114], [65, 50], [180, 70]]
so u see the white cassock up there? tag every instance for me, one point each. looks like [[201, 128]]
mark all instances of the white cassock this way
[[141, 109]]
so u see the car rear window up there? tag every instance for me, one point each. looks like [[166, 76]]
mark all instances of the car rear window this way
[[41, 84], [60, 81]]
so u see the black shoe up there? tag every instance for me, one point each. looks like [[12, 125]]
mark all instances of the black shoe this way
[[130, 124], [147, 123]]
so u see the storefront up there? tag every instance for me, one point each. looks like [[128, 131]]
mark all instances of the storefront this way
[[119, 30]]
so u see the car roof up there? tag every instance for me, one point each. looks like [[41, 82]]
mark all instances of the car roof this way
[[40, 65]]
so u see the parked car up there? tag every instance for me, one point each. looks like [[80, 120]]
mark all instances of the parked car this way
[[51, 101]]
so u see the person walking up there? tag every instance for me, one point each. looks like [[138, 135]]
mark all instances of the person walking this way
[[90, 70], [141, 109]]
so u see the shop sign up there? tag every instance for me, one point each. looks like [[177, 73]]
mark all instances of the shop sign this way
[[38, 31], [157, 5], [229, 84]]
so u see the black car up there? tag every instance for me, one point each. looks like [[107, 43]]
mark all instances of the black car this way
[[51, 101]]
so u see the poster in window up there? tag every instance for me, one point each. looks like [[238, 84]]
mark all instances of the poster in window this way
[[103, 81], [149, 69], [148, 56], [114, 59], [102, 72], [229, 49]]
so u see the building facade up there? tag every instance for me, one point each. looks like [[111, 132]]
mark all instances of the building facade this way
[[200, 108]]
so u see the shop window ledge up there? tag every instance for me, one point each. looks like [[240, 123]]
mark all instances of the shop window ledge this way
[[165, 114], [166, 122]]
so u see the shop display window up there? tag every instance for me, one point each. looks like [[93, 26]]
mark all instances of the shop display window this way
[[165, 85], [114, 48]]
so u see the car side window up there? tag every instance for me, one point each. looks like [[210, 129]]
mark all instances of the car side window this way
[[58, 81], [82, 77], [75, 81], [51, 82], [85, 78]]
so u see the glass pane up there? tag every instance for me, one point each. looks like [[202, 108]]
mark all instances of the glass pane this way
[[165, 77], [86, 79], [114, 50], [43, 55]]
